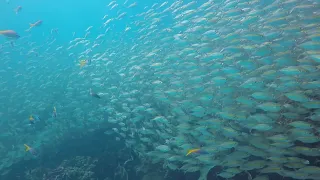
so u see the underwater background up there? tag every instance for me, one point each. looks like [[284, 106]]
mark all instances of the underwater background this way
[[161, 90]]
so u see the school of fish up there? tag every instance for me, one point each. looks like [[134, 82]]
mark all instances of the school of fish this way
[[191, 85]]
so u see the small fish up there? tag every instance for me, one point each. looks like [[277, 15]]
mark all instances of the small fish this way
[[10, 34], [18, 9], [127, 29], [111, 3], [198, 151], [94, 94], [132, 5], [31, 150], [87, 34], [121, 15], [83, 63], [34, 119], [114, 6], [54, 113], [104, 17], [31, 119], [38, 23], [89, 28]]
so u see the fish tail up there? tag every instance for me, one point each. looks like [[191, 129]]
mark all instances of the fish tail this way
[[31, 26], [27, 147], [192, 151], [189, 152]]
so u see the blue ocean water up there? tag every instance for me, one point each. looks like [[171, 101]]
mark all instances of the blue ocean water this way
[[123, 89]]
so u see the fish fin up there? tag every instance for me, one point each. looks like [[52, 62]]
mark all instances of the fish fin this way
[[192, 151]]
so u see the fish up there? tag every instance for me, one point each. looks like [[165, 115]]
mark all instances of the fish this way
[[132, 5], [163, 148], [89, 28], [82, 63], [196, 151], [104, 17], [54, 112], [31, 150], [10, 34], [36, 24], [18, 9], [191, 85], [34, 119], [31, 119]]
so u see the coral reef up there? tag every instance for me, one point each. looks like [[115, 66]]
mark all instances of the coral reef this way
[[79, 167]]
